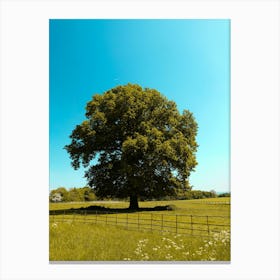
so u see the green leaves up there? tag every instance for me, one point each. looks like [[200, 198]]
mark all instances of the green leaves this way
[[141, 144], [132, 145]]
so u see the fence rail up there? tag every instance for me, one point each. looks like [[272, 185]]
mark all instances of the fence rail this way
[[210, 202], [194, 225]]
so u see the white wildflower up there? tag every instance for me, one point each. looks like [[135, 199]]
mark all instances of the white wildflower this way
[[168, 257]]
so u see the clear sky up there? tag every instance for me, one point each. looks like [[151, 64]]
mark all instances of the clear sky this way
[[188, 61]]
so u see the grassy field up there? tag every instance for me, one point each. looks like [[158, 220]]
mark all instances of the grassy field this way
[[93, 237]]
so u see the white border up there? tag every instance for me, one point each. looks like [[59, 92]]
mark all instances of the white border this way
[[254, 131]]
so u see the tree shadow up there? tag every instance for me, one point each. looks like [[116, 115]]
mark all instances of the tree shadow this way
[[95, 209]]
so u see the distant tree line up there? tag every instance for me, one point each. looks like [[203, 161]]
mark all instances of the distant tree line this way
[[224, 195], [196, 194], [192, 194], [61, 194]]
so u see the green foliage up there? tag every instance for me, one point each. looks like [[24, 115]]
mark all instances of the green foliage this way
[[190, 194], [73, 194], [62, 192], [141, 144], [199, 194], [224, 195]]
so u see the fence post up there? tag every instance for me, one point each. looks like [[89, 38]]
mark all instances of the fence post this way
[[207, 225], [191, 225], [176, 223], [126, 220]]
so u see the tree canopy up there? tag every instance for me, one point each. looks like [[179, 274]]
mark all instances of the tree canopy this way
[[62, 194], [134, 143]]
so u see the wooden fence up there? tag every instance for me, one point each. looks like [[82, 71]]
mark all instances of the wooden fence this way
[[193, 225]]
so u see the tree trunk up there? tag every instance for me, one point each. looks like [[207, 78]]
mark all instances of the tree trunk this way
[[133, 202]]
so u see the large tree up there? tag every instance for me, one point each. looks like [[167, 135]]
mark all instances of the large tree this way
[[135, 143]]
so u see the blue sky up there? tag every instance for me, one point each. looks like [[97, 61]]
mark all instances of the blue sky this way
[[188, 61]]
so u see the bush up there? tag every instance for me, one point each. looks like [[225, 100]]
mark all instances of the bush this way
[[224, 195]]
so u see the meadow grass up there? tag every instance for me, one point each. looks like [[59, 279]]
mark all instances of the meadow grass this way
[[88, 238], [211, 206], [70, 241]]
